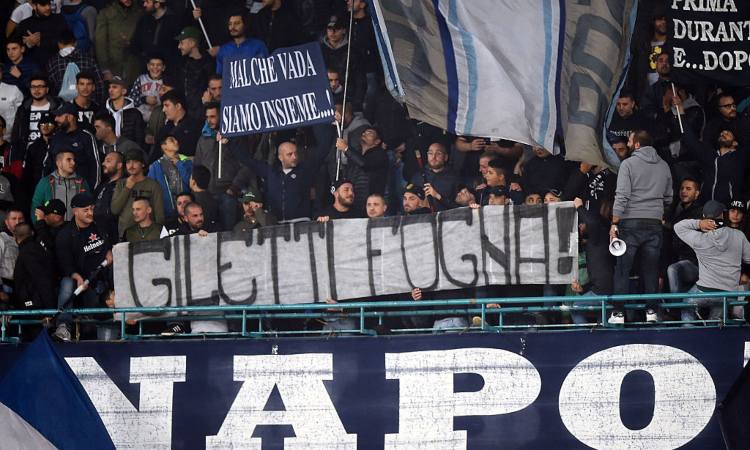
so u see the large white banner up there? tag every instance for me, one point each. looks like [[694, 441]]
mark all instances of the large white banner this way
[[354, 258]]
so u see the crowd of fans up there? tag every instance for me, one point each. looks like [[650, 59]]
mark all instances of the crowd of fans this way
[[109, 112]]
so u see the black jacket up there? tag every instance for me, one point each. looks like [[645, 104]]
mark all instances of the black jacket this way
[[50, 27], [34, 277], [103, 209], [37, 163], [87, 154], [132, 126], [81, 250], [674, 248], [187, 131], [193, 79], [723, 175], [287, 195], [157, 36], [46, 236]]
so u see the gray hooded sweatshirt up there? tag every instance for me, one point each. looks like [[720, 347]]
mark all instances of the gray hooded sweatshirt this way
[[644, 186], [720, 254]]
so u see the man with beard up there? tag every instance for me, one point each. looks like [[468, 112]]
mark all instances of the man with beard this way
[[723, 166], [627, 118], [414, 201], [112, 168], [343, 202], [128, 120], [254, 216], [727, 120], [174, 224], [239, 45], [644, 190], [682, 271], [194, 221], [438, 181], [81, 142]]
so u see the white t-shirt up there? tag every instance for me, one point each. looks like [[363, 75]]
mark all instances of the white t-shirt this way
[[36, 114]]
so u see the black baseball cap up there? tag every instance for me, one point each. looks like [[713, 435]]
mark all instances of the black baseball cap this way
[[738, 205], [54, 206], [251, 195], [65, 108], [414, 189]]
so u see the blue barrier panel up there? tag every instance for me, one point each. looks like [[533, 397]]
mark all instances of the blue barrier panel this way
[[602, 389]]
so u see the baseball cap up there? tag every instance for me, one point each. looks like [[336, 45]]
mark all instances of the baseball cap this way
[[712, 209], [251, 195], [336, 22], [65, 108], [738, 205], [189, 33], [54, 206], [414, 189], [82, 200], [338, 183], [117, 79], [47, 117]]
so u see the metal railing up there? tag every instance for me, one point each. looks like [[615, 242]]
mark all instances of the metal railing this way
[[369, 315]]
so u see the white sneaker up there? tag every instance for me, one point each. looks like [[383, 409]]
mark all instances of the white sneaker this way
[[651, 316], [62, 334], [617, 318]]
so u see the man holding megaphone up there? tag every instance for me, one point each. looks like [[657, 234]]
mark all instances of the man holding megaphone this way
[[644, 190]]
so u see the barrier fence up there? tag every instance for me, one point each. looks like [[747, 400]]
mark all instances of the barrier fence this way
[[368, 317]]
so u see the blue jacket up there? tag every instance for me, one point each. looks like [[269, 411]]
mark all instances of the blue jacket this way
[[287, 196], [185, 169], [248, 49]]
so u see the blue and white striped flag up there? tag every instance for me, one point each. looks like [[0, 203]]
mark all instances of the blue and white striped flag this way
[[523, 70], [44, 406]]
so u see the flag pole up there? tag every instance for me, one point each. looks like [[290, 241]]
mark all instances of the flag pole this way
[[340, 126], [218, 175], [679, 116], [203, 27]]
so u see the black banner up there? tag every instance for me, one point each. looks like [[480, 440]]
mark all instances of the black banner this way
[[711, 38]]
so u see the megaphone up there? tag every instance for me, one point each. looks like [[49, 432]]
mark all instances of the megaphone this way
[[617, 247]]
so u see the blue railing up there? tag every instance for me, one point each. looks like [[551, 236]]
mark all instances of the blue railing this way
[[485, 317]]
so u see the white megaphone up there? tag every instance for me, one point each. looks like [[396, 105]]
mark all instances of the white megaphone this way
[[617, 247]]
